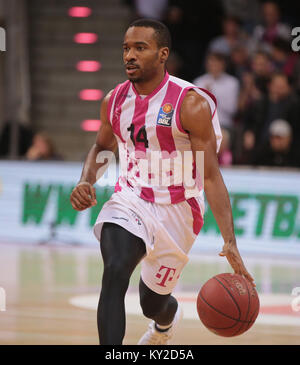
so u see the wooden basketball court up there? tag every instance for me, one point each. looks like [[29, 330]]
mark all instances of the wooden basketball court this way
[[52, 291]]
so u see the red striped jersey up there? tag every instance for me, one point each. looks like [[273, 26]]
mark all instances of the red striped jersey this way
[[154, 149]]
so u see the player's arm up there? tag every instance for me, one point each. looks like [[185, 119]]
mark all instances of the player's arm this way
[[196, 119], [84, 195]]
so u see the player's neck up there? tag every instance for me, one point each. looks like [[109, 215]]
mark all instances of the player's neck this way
[[146, 88]]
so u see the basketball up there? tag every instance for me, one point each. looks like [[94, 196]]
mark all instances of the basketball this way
[[228, 304]]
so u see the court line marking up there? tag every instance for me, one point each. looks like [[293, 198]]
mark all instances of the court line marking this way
[[189, 308]]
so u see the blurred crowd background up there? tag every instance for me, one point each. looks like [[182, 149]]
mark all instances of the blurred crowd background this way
[[240, 50]]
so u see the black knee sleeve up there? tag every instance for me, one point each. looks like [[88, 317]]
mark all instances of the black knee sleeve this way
[[152, 303]]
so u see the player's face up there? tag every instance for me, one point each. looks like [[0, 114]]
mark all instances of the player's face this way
[[141, 55]]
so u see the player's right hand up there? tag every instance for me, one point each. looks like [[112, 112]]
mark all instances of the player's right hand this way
[[83, 196], [234, 258]]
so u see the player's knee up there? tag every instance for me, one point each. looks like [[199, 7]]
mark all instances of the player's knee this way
[[116, 273], [150, 311], [149, 308]]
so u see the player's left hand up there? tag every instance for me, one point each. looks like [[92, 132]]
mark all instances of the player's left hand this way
[[233, 256]]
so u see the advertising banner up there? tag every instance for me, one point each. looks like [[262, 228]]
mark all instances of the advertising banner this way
[[35, 207]]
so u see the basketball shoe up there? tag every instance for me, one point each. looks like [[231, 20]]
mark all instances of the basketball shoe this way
[[155, 337]]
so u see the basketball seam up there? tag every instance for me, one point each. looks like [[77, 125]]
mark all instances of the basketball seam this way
[[225, 315], [223, 328], [252, 321], [243, 324], [226, 328], [230, 295], [254, 313], [217, 312]]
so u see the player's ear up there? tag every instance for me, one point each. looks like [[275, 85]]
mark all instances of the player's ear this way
[[164, 54]]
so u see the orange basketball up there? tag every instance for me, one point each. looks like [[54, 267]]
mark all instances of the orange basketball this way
[[228, 304]]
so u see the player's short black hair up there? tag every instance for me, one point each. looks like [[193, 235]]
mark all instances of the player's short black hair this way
[[161, 32]]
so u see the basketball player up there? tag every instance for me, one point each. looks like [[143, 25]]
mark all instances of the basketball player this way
[[143, 221]]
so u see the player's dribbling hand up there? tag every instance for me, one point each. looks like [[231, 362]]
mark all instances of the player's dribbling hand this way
[[83, 196], [233, 256]]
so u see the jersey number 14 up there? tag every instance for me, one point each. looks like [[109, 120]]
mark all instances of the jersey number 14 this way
[[140, 137]]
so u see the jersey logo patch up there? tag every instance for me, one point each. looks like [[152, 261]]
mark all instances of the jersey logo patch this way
[[165, 115]]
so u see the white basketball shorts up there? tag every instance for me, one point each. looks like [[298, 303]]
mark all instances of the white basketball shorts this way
[[168, 230]]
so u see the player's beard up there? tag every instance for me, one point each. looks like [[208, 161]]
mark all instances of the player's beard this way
[[136, 79], [146, 73]]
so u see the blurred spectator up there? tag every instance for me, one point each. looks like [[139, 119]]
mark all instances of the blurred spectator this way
[[154, 9], [280, 103], [225, 154], [262, 69], [278, 151], [255, 84], [284, 59], [248, 93], [239, 61], [271, 27], [233, 36], [42, 148], [246, 10], [25, 135], [174, 64], [224, 86]]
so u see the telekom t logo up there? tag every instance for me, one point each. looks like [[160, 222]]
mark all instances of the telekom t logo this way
[[167, 274]]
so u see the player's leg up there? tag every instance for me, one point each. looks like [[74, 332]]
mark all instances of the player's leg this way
[[164, 312], [160, 308], [121, 252]]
